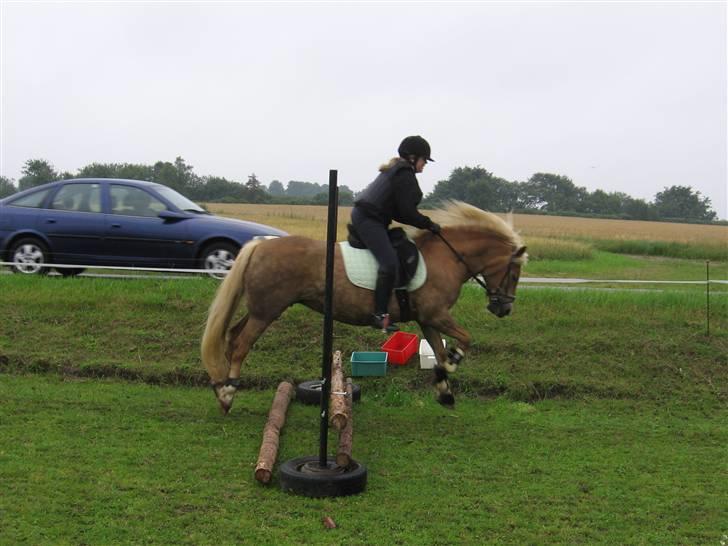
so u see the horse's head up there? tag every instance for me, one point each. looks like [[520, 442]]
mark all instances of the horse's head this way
[[501, 298]]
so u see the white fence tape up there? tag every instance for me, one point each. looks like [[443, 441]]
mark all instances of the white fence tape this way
[[540, 280], [120, 268]]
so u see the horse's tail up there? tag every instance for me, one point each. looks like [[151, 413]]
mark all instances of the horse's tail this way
[[221, 313]]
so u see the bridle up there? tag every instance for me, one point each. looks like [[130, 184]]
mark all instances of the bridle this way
[[497, 297]]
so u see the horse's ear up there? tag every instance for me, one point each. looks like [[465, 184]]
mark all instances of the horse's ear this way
[[520, 252]]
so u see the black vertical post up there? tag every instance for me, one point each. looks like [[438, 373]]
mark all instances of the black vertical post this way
[[707, 295], [328, 318]]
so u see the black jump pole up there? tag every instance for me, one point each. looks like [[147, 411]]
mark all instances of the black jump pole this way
[[320, 476], [328, 317]]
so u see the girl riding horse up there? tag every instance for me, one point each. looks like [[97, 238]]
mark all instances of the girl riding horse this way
[[393, 195]]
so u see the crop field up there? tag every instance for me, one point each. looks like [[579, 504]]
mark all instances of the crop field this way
[[586, 417], [549, 237]]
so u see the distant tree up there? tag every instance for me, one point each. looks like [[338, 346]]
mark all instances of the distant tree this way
[[178, 175], [683, 202], [275, 188], [556, 193], [320, 199], [477, 186], [218, 189], [254, 191], [99, 170], [639, 209], [117, 170], [601, 202], [6, 186], [304, 189], [37, 172], [346, 196]]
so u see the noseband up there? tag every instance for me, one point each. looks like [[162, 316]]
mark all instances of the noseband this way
[[496, 297]]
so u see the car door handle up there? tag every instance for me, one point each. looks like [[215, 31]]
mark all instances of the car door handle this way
[[116, 225], [50, 221]]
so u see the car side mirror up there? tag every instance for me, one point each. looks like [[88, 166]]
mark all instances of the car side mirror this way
[[171, 216]]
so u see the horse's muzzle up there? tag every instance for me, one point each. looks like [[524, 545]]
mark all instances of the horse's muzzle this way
[[500, 309]]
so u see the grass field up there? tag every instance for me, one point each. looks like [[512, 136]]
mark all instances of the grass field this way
[[104, 462], [586, 417], [623, 343]]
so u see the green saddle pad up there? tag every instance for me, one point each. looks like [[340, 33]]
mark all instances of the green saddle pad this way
[[361, 268]]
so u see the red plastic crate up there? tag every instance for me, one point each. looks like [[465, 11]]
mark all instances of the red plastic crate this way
[[400, 347]]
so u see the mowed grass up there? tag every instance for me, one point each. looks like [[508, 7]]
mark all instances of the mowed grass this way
[[623, 343], [585, 418], [553, 240], [106, 462]]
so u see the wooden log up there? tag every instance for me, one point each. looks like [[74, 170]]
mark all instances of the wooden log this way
[[271, 432], [337, 411], [343, 455]]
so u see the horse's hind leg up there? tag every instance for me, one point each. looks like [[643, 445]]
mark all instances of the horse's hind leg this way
[[233, 334], [242, 338]]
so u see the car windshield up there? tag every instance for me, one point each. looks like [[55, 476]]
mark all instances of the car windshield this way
[[178, 200]]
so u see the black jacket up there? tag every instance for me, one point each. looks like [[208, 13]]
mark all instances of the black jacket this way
[[394, 195]]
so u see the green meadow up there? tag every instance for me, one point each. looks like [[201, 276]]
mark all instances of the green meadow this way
[[586, 417]]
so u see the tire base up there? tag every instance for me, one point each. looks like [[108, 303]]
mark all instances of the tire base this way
[[309, 392], [303, 476]]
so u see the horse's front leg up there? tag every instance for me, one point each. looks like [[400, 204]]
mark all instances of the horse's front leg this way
[[447, 361], [456, 353]]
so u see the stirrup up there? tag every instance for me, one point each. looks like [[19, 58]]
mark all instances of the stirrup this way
[[382, 322]]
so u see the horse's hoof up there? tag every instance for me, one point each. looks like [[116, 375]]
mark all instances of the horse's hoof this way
[[447, 400], [224, 407], [225, 395]]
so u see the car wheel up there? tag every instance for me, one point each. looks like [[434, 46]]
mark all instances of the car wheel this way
[[70, 271], [309, 392], [28, 256], [218, 258]]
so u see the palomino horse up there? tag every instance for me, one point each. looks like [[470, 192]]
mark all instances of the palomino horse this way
[[271, 275]]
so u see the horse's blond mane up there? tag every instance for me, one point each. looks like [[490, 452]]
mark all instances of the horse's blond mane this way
[[457, 213]]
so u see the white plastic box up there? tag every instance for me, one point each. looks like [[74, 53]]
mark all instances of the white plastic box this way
[[427, 355]]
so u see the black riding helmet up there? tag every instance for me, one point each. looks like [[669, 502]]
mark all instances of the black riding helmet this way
[[416, 146]]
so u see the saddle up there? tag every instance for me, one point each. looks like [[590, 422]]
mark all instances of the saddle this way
[[361, 266]]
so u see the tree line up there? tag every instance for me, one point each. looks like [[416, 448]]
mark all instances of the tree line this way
[[546, 193], [543, 193]]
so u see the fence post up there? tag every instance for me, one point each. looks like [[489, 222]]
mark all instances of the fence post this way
[[707, 296]]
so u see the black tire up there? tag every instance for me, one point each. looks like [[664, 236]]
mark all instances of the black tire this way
[[300, 476], [29, 253], [70, 271], [309, 392], [218, 257]]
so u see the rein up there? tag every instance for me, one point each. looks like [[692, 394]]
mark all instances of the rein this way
[[499, 295]]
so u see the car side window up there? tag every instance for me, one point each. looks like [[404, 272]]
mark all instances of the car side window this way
[[32, 201], [131, 201], [78, 198]]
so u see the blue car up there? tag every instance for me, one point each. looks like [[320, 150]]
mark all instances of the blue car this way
[[109, 222]]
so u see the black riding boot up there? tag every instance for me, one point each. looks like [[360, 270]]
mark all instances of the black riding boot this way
[[382, 293]]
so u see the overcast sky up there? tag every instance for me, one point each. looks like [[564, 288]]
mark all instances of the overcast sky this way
[[626, 97]]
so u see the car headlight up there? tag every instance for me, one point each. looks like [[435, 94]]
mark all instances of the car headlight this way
[[266, 237]]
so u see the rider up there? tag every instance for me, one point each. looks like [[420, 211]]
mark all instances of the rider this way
[[393, 195]]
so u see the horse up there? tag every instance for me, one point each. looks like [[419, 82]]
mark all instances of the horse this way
[[271, 275]]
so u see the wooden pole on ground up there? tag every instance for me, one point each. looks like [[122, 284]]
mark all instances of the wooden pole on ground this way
[[272, 431], [339, 415], [343, 456]]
